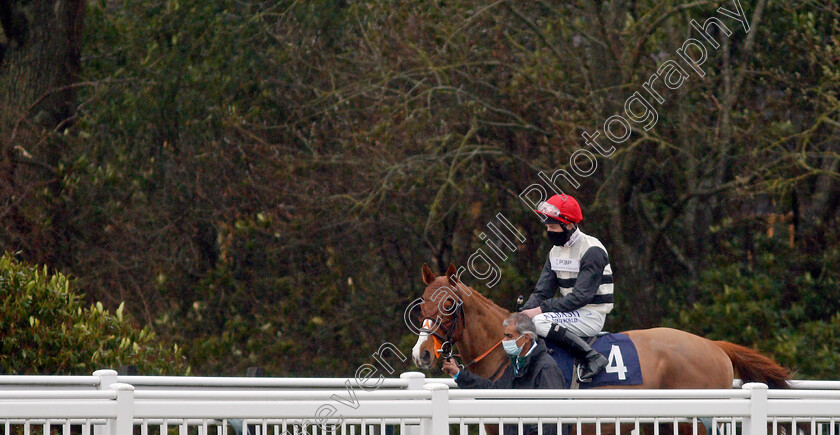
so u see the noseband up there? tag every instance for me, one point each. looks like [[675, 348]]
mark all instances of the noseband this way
[[452, 330]]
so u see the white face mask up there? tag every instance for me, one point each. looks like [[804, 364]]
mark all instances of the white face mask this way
[[511, 348]]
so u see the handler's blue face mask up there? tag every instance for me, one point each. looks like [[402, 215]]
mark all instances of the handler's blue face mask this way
[[511, 348]]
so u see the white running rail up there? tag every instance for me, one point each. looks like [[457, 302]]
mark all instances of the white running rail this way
[[106, 403]]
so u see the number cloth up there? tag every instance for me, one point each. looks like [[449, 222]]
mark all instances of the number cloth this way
[[623, 367]]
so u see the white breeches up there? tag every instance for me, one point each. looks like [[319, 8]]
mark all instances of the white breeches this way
[[582, 322]]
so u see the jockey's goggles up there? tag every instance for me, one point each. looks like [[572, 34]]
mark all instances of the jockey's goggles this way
[[553, 212]]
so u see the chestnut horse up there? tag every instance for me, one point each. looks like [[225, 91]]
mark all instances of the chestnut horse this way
[[669, 358]]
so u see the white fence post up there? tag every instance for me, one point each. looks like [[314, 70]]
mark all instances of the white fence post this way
[[416, 380], [124, 423], [439, 423], [756, 424], [106, 379]]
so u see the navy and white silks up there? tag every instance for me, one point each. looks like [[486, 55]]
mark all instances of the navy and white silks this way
[[581, 271]]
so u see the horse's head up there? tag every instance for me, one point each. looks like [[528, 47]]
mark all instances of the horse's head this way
[[441, 317]]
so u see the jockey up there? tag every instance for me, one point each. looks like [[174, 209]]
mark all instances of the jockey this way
[[579, 267]]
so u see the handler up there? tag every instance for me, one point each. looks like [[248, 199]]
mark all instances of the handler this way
[[531, 367], [577, 265]]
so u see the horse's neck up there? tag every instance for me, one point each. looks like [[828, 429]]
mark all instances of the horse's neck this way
[[482, 330]]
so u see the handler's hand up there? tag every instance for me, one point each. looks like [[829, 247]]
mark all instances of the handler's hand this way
[[532, 312], [450, 368]]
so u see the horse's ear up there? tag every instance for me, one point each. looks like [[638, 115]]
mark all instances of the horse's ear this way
[[428, 276], [452, 274]]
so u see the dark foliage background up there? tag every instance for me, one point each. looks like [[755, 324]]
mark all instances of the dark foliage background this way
[[261, 181]]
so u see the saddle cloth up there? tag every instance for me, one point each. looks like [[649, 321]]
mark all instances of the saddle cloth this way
[[623, 367]]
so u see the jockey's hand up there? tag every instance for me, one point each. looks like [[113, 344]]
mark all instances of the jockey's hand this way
[[449, 367], [532, 312]]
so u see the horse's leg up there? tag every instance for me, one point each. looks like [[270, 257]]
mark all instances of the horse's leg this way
[[688, 429], [682, 429], [644, 429], [591, 429], [628, 428], [493, 429]]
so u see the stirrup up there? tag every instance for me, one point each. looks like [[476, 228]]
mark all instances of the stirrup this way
[[579, 374], [594, 356]]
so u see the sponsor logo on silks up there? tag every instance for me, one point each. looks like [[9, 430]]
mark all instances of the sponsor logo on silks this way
[[565, 264], [562, 316], [559, 315]]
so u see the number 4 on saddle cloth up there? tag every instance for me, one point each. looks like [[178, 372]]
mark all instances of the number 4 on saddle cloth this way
[[623, 367]]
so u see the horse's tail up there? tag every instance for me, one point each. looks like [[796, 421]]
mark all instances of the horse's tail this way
[[752, 366]]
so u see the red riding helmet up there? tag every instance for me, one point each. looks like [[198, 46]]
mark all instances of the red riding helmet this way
[[563, 208]]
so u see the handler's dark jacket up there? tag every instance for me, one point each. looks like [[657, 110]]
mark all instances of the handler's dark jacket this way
[[540, 372]]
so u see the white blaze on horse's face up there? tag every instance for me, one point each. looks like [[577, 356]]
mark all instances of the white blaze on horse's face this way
[[415, 352]]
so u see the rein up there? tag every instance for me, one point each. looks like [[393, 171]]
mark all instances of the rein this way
[[481, 357], [451, 329]]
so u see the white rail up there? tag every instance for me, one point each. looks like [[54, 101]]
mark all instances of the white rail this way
[[109, 404], [103, 377]]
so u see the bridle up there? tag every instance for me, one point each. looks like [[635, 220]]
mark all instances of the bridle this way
[[453, 328]]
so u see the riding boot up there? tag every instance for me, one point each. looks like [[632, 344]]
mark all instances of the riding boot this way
[[591, 361]]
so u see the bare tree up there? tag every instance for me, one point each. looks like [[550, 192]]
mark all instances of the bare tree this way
[[40, 48]]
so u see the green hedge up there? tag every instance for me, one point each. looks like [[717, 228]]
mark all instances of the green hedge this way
[[46, 329], [779, 301]]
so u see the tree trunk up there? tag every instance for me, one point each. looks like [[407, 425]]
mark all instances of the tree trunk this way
[[40, 48]]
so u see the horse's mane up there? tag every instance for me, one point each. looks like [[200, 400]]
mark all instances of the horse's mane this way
[[479, 297]]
